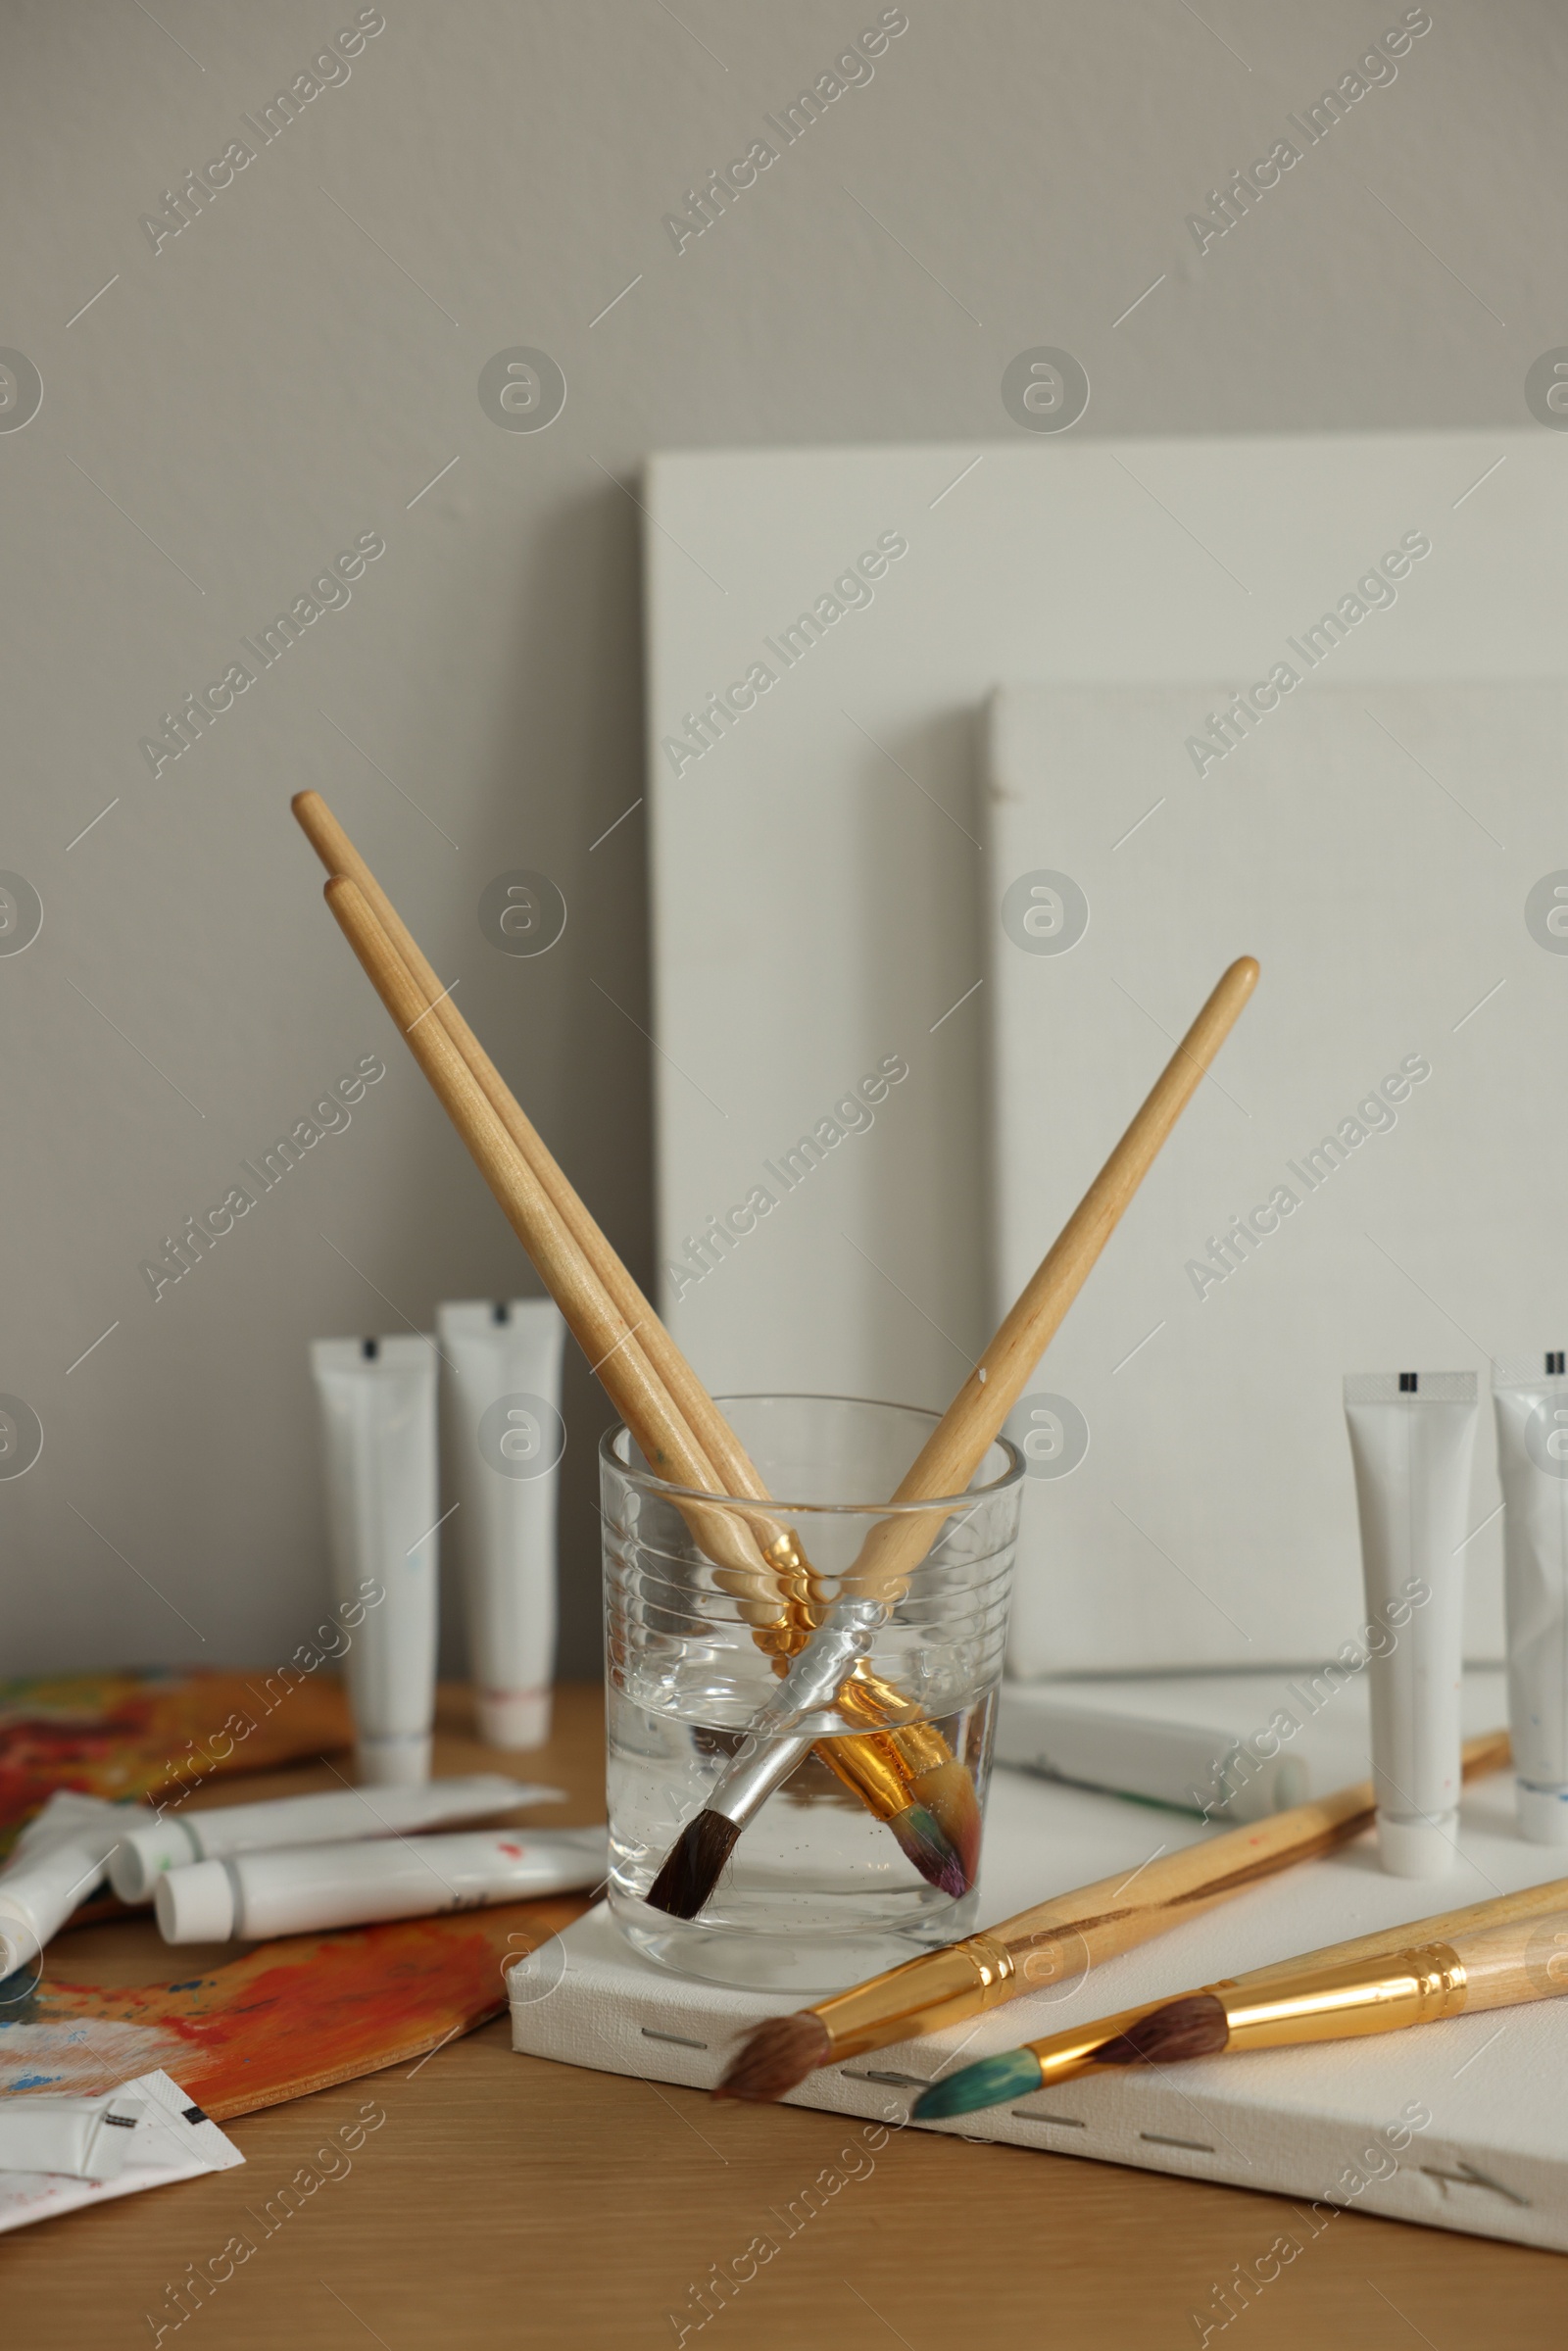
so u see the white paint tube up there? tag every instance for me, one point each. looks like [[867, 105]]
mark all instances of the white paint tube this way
[[312, 1889], [503, 1438], [58, 1860], [336, 1817], [1532, 1409], [1411, 1438], [377, 1398], [82, 2138]]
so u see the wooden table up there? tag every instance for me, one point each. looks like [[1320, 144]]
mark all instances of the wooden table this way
[[508, 2201]]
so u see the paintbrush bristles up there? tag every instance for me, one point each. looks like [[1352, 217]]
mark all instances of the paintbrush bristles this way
[[777, 2057], [693, 1865], [1195, 2025], [949, 1797], [922, 1841], [989, 2081], [696, 1861]]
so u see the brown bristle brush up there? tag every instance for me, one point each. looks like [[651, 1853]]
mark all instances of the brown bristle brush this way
[[1056, 1941], [1195, 2025]]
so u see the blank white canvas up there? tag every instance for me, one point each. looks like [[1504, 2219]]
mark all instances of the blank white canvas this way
[[1374, 846], [819, 882]]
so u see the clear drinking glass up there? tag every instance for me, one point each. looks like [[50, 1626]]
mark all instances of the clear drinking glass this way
[[818, 1889]]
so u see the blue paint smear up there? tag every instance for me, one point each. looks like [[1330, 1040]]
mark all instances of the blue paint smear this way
[[19, 1994], [34, 2081]]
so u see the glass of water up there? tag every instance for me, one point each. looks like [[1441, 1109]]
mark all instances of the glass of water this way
[[832, 1877]]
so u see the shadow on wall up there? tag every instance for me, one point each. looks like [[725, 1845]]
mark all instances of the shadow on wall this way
[[565, 1027]]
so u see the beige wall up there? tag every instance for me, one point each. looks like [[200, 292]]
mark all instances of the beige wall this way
[[279, 379]]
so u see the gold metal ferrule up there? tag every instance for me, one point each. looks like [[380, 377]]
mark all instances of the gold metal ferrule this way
[[879, 1766], [791, 1629], [802, 1596], [1064, 2054], [1379, 1995], [941, 1987], [909, 1749], [869, 1764], [866, 1698]]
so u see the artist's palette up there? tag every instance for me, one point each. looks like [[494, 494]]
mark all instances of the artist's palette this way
[[288, 2018]]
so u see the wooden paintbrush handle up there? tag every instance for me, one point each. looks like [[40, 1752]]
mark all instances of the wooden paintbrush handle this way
[[1447, 1926], [1418, 1981], [1407, 1985], [1114, 1915], [719, 1461], [609, 1341], [957, 1444], [737, 1474], [1522, 1958]]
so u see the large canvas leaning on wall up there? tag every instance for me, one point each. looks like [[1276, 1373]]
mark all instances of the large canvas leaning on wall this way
[[823, 901]]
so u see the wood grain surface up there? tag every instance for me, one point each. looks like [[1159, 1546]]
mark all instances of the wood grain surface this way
[[504, 2201]]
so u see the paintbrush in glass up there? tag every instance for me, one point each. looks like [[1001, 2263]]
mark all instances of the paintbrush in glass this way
[[935, 1484], [907, 1778]]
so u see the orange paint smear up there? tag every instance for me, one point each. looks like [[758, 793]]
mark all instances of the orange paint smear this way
[[298, 2015], [157, 1734]]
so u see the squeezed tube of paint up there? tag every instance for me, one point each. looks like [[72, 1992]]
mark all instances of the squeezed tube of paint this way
[[1532, 1409], [503, 1438], [1411, 1438], [308, 1889], [338, 1817], [82, 2138], [377, 1398], [56, 1863]]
